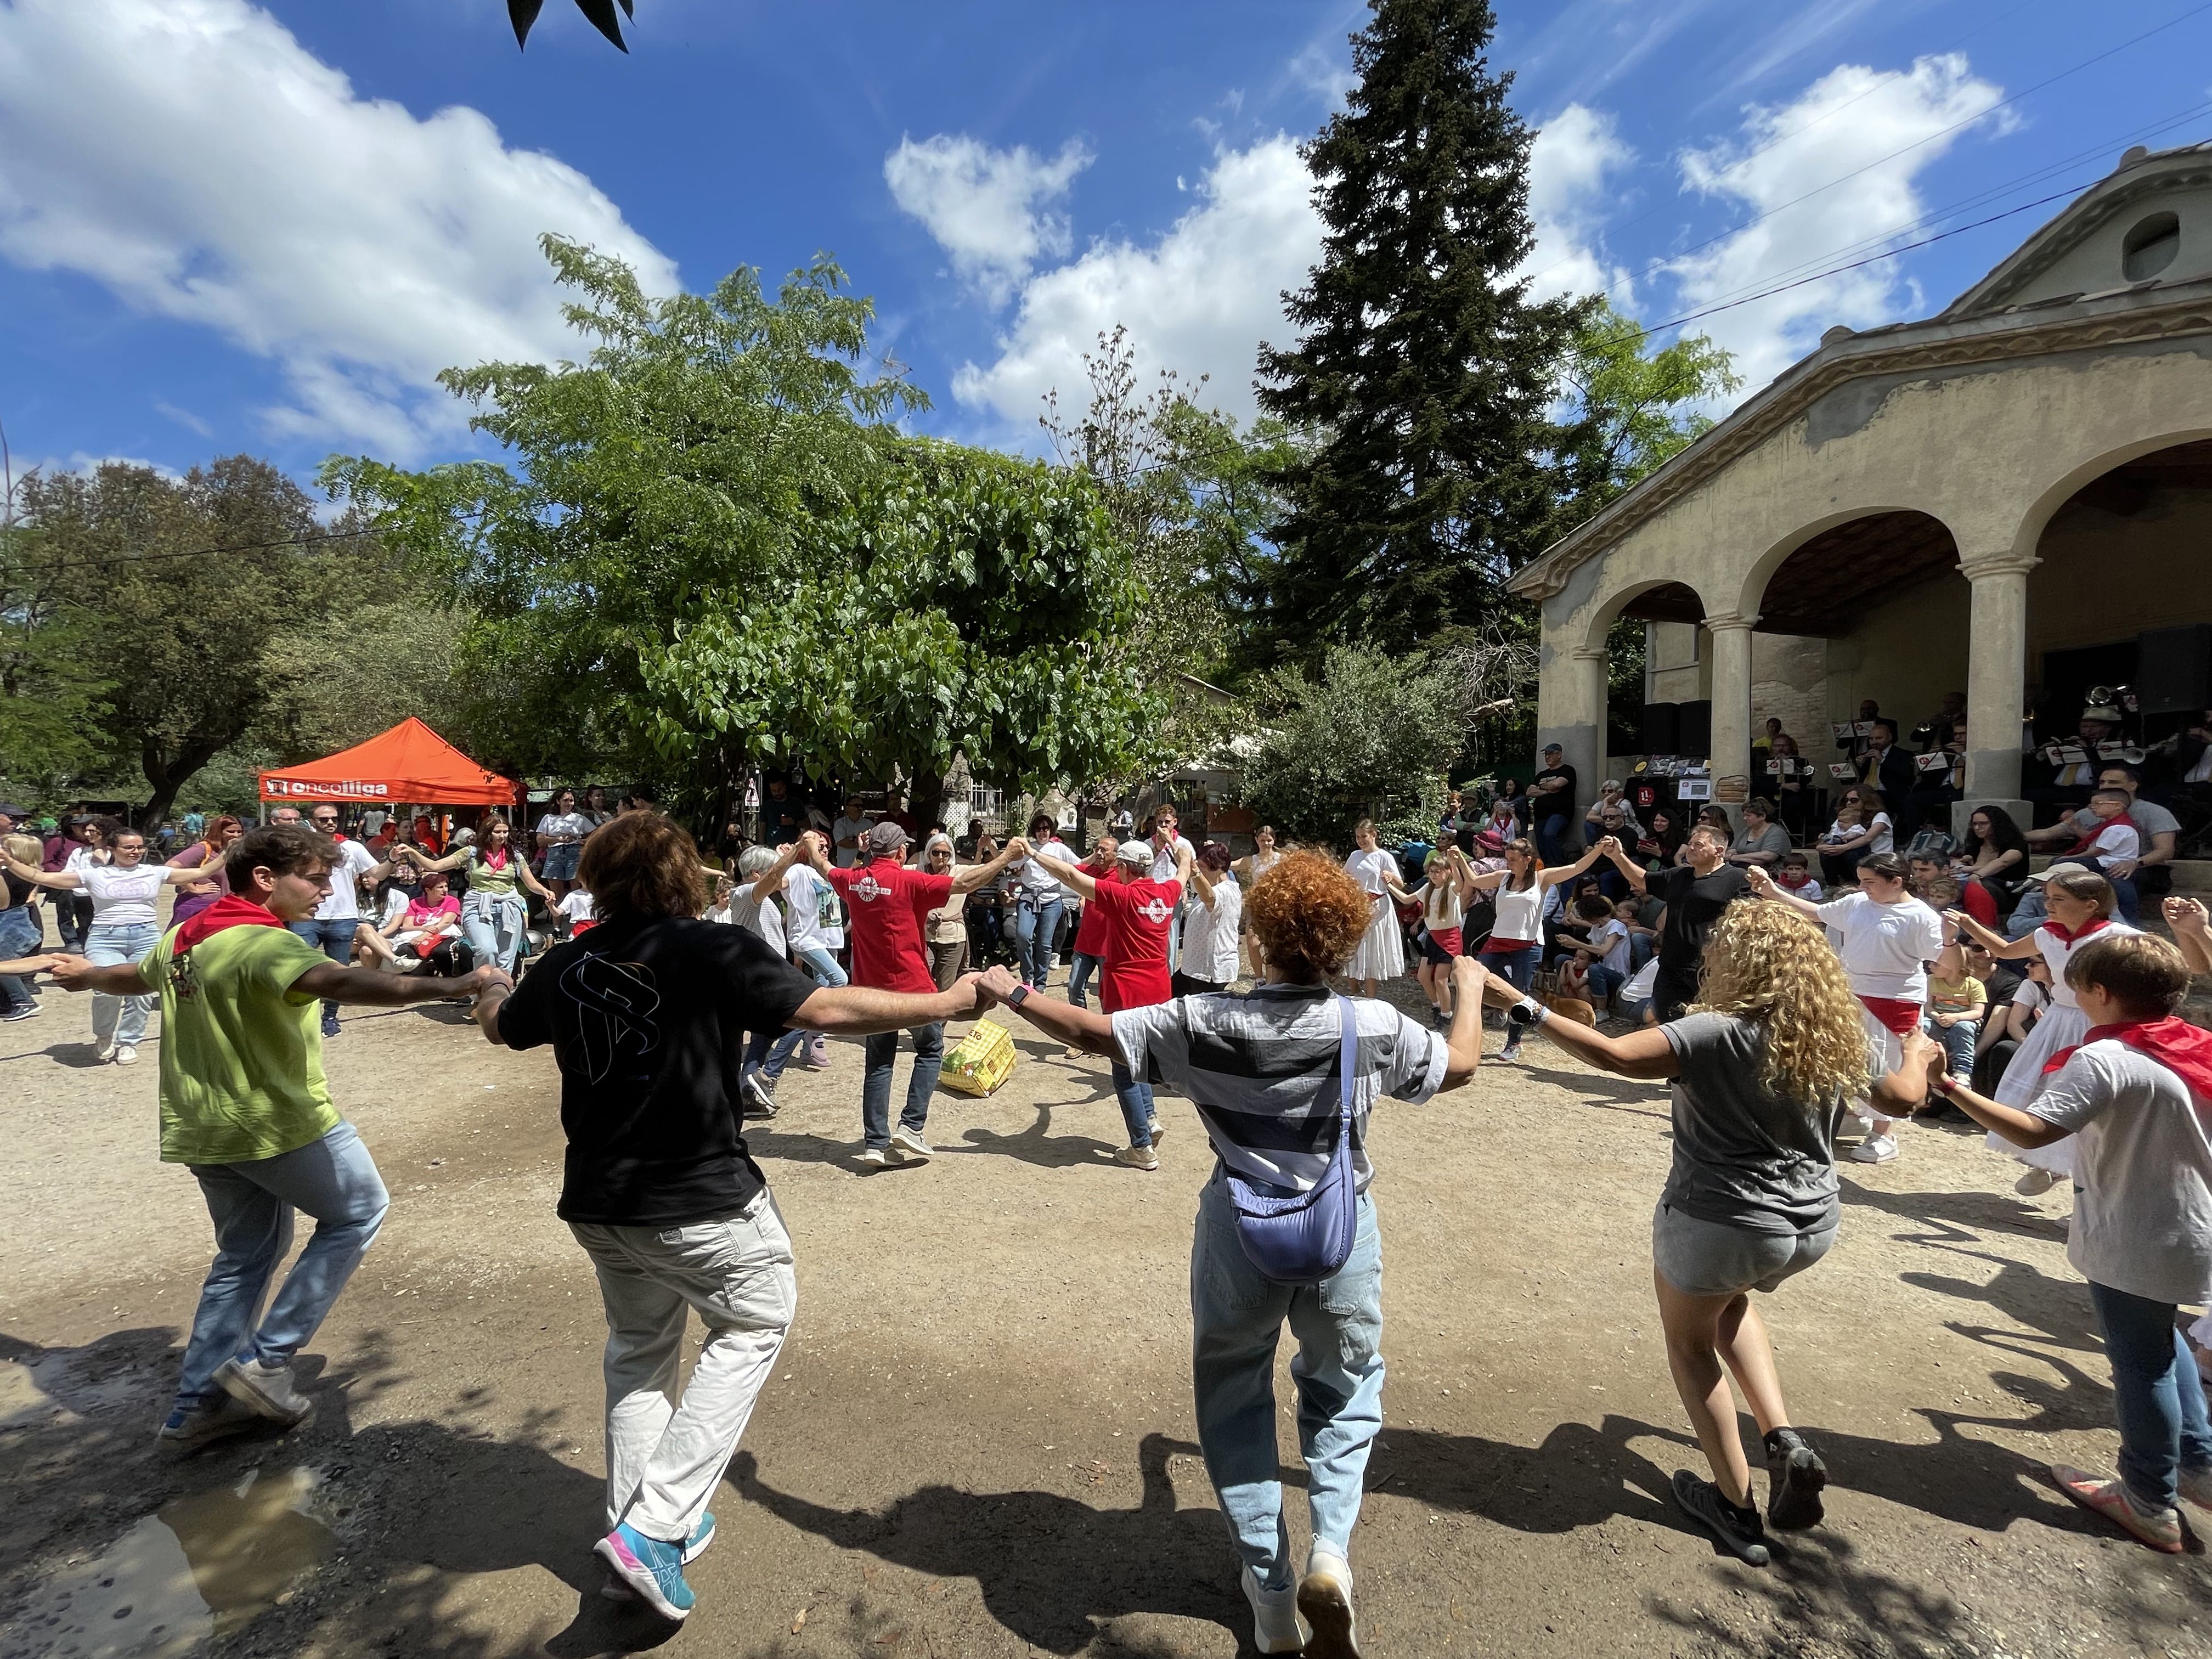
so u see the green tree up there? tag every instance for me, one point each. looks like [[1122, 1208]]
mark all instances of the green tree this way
[[1371, 737], [176, 589], [714, 550], [1423, 368], [47, 686]]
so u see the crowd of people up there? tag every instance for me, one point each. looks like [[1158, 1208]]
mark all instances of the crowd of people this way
[[1776, 1006]]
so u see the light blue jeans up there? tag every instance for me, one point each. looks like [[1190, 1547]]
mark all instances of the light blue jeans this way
[[494, 925], [1036, 926], [2157, 1394], [819, 966], [121, 1020], [1136, 1101], [333, 1180], [1236, 1319]]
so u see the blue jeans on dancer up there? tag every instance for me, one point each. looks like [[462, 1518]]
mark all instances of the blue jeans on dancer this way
[[1037, 925]]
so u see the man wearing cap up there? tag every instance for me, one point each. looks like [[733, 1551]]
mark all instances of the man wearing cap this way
[[1551, 805], [20, 935], [889, 906]]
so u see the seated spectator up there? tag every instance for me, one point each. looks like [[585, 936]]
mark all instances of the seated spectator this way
[[2004, 1032], [1636, 1003], [1663, 839], [1862, 830], [1610, 814], [1954, 1017], [1506, 812], [1854, 742], [1762, 841], [2070, 781], [1794, 875], [1994, 855], [427, 933], [1603, 950], [1642, 939], [2160, 831], [1931, 880]]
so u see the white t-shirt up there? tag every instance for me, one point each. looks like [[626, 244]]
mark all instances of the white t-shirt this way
[[575, 825], [343, 904], [2142, 1203], [1209, 936], [2148, 816], [122, 897], [1613, 935], [1520, 914], [2115, 840], [576, 905], [1883, 840], [811, 914], [395, 906], [1031, 876], [1165, 863], [842, 856], [1886, 948]]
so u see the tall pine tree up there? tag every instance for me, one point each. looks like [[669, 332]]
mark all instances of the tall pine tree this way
[[1423, 369]]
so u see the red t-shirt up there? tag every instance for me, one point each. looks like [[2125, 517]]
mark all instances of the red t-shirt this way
[[1091, 931], [1133, 969], [890, 905]]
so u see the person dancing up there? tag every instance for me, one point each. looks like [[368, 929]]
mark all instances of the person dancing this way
[[2080, 902], [1444, 898], [1381, 953], [1514, 948], [1272, 1115], [646, 1015], [495, 917], [1762, 1066]]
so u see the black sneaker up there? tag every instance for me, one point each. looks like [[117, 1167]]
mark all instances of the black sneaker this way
[[1795, 1478], [760, 1095], [1738, 1530], [330, 1025]]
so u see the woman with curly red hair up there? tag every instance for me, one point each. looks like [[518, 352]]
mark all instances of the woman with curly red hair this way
[[1263, 1070]]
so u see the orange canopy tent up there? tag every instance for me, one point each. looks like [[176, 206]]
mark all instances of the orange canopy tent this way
[[411, 764]]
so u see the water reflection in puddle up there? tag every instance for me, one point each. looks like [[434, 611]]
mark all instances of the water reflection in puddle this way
[[197, 1567]]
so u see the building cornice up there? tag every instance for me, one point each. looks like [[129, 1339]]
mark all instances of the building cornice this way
[[2099, 322]]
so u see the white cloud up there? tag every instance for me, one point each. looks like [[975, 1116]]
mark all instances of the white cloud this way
[[190, 155], [1869, 208], [1570, 165], [984, 206], [1200, 299]]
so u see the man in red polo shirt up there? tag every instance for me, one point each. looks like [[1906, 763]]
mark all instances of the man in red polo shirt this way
[[889, 906], [1134, 915]]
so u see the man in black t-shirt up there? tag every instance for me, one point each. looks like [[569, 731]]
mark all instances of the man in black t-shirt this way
[[1552, 806], [1695, 893], [647, 1014]]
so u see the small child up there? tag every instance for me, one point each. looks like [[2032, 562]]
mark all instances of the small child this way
[[2114, 840], [1954, 1018], [575, 912], [1603, 954], [2137, 1095], [1795, 875]]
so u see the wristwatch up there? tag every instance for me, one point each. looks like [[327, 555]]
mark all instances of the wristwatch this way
[[1018, 996]]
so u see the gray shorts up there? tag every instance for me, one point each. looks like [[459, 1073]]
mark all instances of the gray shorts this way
[[1705, 1258]]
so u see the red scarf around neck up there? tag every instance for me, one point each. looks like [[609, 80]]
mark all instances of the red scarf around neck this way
[[2066, 935], [2183, 1049], [228, 911]]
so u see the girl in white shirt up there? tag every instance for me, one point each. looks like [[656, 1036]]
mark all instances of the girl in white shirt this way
[[1443, 899], [1212, 918], [1516, 947], [1381, 953]]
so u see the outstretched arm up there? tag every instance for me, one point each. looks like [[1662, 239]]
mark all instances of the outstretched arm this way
[[967, 880], [65, 880], [861, 1010], [372, 988], [1631, 871], [770, 880], [1077, 1027], [1646, 1054], [1767, 888], [1995, 943], [1568, 871], [2022, 1128]]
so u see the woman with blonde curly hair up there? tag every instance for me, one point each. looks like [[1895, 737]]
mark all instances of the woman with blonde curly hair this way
[[1263, 1071], [1763, 1064]]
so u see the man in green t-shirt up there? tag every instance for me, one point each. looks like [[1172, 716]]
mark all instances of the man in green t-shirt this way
[[246, 1107]]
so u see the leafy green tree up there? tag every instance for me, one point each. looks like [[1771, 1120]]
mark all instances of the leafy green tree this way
[[1423, 368], [176, 589], [47, 686], [1371, 737], [713, 551]]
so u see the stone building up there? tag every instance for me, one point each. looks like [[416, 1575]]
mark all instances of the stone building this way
[[1990, 500]]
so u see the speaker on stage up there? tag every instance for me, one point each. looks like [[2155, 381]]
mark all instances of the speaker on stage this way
[[1661, 728], [1694, 735], [2174, 670]]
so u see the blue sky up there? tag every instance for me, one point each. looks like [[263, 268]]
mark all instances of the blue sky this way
[[226, 225]]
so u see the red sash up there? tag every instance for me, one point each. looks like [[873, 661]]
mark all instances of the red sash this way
[[228, 911], [1901, 1018], [2066, 935]]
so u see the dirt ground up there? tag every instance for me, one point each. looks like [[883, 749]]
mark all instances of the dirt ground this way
[[979, 1439]]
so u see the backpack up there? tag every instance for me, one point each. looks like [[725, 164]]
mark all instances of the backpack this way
[[1929, 842]]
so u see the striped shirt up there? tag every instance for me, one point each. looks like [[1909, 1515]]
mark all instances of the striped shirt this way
[[1262, 1070]]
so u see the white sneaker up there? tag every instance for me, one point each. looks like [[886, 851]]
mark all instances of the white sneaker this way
[[126, 1056], [2035, 1182], [1325, 1599], [1276, 1626], [909, 1145], [267, 1388], [105, 1052], [1876, 1149], [1138, 1158], [875, 1157]]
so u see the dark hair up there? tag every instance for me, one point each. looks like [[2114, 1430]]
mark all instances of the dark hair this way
[[1760, 804], [1594, 907], [1215, 856], [1869, 797], [1527, 849], [2134, 773], [1883, 864], [642, 865], [2140, 971], [2005, 835], [283, 849], [1884, 719], [1043, 821], [1798, 859]]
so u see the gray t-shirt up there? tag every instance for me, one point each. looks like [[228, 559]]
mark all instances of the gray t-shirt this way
[[2148, 816], [1743, 1157], [2143, 1202], [1773, 838]]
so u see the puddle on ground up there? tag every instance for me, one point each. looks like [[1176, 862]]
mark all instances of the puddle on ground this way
[[196, 1568]]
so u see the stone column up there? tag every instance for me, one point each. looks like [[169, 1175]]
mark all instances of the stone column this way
[[1570, 712], [1997, 681], [1731, 749]]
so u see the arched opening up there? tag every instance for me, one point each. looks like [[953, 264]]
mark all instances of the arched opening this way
[[2121, 601]]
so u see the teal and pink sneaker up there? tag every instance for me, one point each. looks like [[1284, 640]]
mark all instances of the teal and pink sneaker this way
[[651, 1569], [618, 1590]]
